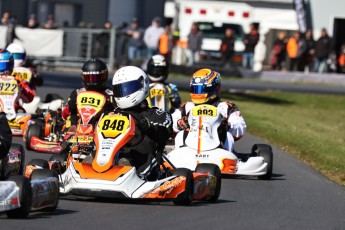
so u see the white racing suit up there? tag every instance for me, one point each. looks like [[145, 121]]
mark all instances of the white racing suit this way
[[234, 124]]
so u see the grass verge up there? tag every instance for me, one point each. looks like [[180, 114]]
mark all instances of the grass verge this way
[[311, 127]]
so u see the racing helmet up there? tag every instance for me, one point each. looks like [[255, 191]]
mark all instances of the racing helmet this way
[[6, 62], [94, 74], [204, 86], [130, 86], [157, 68], [19, 53]]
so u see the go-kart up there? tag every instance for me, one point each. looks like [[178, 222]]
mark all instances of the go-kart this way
[[49, 133], [95, 170], [51, 102], [201, 143], [159, 97], [20, 195]]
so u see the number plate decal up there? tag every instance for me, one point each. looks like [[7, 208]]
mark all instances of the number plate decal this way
[[112, 126], [204, 110]]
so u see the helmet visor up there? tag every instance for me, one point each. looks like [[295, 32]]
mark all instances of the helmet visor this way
[[127, 88], [93, 78], [18, 56], [6, 66], [200, 89]]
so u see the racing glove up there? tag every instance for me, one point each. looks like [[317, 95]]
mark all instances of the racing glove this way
[[183, 123]]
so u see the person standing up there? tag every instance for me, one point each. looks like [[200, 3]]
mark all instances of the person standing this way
[[295, 48], [310, 50], [323, 48], [135, 41], [278, 55], [194, 44], [250, 41], [228, 47], [166, 43], [152, 35]]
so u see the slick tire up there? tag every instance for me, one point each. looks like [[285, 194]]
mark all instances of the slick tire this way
[[62, 159], [42, 164], [214, 171], [19, 147], [186, 197], [35, 129], [42, 174], [266, 152], [25, 197]]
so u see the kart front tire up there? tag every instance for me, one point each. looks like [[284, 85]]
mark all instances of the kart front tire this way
[[266, 152], [186, 197], [42, 174], [19, 147], [34, 129], [43, 164], [62, 159], [25, 197], [214, 170]]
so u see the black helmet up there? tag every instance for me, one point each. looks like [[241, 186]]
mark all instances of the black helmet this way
[[157, 68], [95, 74]]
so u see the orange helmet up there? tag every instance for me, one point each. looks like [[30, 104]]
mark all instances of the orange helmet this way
[[204, 86]]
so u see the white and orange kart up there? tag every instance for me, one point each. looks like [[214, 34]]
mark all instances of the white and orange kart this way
[[49, 134], [201, 144], [9, 96], [87, 173]]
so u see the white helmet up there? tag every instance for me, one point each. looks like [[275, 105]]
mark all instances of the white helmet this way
[[130, 86], [19, 53]]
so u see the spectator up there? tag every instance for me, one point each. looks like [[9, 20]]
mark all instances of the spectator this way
[[194, 44], [278, 54], [152, 35], [135, 43], [50, 24], [32, 22], [121, 44], [11, 31], [323, 48], [228, 47], [101, 44], [341, 59], [308, 58], [295, 48], [5, 18], [166, 43], [250, 40]]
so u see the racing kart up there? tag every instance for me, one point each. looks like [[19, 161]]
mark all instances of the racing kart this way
[[159, 97], [49, 133], [201, 143], [20, 195], [95, 170]]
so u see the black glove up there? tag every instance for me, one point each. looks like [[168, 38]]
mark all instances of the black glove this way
[[144, 124]]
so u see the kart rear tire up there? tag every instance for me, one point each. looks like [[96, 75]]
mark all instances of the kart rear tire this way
[[42, 174], [19, 147], [62, 158], [214, 170], [259, 147], [186, 197], [40, 163], [267, 154], [35, 129], [25, 197]]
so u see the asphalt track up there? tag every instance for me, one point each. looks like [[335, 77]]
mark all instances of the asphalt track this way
[[297, 197]]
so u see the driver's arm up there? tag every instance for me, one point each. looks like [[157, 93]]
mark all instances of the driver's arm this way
[[5, 135]]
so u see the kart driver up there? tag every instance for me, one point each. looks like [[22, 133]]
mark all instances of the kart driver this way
[[205, 89], [94, 75], [5, 138], [158, 71], [19, 54], [6, 68], [131, 88]]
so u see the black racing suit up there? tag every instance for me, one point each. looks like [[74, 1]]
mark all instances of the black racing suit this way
[[154, 129], [72, 103], [5, 136]]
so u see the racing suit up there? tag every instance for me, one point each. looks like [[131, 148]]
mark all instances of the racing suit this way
[[173, 96], [5, 136], [154, 129], [231, 129], [72, 110]]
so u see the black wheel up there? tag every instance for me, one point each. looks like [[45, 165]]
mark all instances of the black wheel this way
[[266, 152], [62, 158], [42, 164], [186, 197], [214, 170], [19, 147], [25, 197], [35, 129], [42, 174]]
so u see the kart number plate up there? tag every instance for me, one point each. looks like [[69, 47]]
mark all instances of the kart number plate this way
[[8, 87], [22, 74], [157, 92], [93, 99], [112, 126], [204, 110], [81, 139]]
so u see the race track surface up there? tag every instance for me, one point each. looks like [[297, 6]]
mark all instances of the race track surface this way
[[297, 197]]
